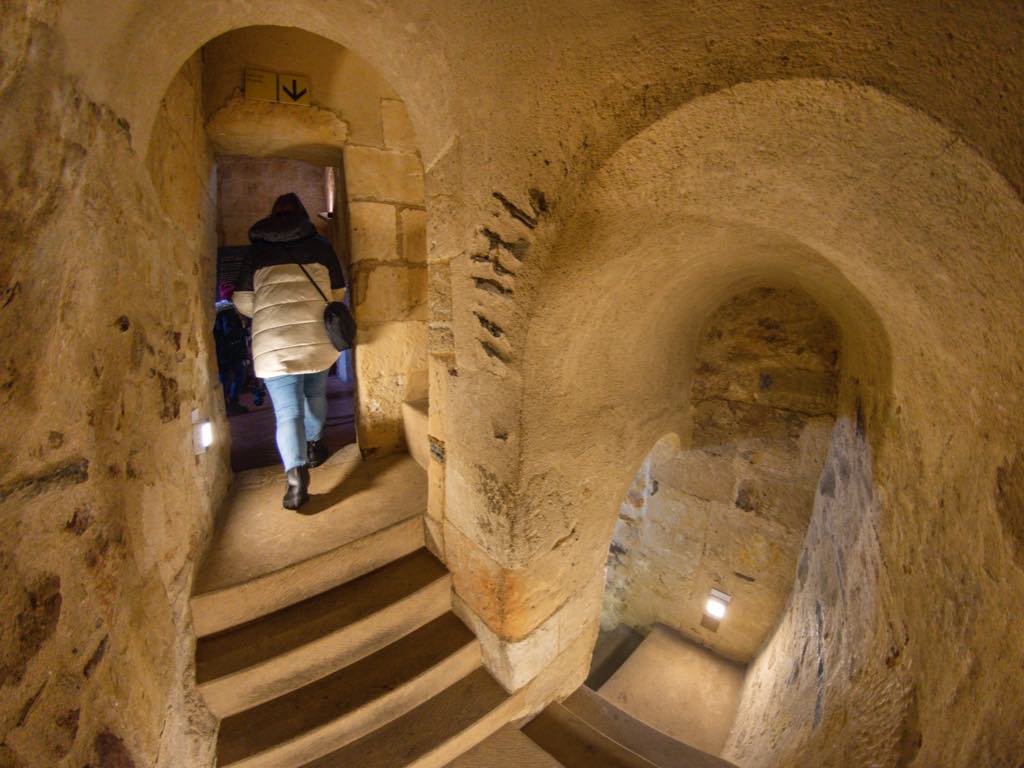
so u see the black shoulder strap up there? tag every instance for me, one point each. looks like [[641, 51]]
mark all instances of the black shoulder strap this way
[[314, 283]]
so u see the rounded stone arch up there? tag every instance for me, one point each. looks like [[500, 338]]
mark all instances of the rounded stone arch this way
[[381, 227], [267, 129], [900, 232], [154, 42], [635, 347]]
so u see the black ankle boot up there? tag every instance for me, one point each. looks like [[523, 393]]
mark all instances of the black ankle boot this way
[[316, 452], [296, 493]]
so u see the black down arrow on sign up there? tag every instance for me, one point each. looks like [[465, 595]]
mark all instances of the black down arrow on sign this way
[[294, 93]]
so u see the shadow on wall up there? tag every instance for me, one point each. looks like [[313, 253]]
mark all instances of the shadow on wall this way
[[844, 192], [729, 511]]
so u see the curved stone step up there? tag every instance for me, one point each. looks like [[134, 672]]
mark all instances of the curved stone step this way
[[333, 711], [362, 515], [575, 744], [433, 734], [506, 748], [649, 743], [259, 661]]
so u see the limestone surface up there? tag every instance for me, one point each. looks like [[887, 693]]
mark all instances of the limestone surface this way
[[576, 189]]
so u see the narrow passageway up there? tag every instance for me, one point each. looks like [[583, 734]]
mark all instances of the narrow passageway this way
[[326, 635]]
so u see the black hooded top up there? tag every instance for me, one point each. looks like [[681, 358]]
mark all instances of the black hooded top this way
[[287, 236]]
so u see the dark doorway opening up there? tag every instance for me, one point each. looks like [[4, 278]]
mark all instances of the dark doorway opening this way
[[246, 187]]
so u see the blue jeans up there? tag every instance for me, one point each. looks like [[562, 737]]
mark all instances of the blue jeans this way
[[300, 407]]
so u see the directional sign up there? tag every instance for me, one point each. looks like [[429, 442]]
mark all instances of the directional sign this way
[[293, 89], [260, 84]]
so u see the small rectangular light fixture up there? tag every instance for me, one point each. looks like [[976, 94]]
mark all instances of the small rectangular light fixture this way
[[202, 433], [716, 604], [206, 434]]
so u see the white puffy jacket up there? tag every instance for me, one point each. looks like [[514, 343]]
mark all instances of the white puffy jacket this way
[[288, 335], [287, 314]]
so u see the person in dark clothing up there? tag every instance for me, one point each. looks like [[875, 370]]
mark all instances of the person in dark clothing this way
[[290, 347], [230, 340]]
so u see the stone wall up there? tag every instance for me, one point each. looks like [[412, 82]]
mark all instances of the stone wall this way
[[730, 512], [798, 702], [248, 186], [631, 166], [834, 189], [106, 322], [388, 246], [339, 79]]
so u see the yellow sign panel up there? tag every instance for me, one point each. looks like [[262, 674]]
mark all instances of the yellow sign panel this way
[[293, 89], [261, 85]]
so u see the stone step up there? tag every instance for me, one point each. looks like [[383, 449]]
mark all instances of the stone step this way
[[680, 688], [245, 666], [611, 651], [508, 747], [649, 743], [434, 733], [348, 704], [576, 744], [362, 515]]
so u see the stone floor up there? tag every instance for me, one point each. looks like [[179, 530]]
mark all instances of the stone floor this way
[[679, 688], [349, 499], [506, 748]]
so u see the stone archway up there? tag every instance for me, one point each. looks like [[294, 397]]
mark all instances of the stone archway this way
[[382, 223], [832, 188]]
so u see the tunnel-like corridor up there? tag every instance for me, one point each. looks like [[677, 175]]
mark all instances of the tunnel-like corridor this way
[[656, 305]]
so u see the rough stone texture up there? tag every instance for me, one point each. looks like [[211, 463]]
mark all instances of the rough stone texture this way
[[264, 129], [247, 188], [389, 292], [107, 349], [908, 373], [730, 513], [798, 699], [618, 170], [376, 174], [398, 129], [514, 664], [373, 231], [340, 81]]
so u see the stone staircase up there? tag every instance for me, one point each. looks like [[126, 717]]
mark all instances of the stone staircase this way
[[585, 731], [328, 639]]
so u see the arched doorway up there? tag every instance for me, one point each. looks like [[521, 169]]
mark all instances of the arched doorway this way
[[353, 151], [705, 549]]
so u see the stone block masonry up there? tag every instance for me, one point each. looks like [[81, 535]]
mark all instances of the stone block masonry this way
[[730, 511], [387, 224]]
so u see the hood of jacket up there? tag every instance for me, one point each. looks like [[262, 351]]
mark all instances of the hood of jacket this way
[[288, 222]]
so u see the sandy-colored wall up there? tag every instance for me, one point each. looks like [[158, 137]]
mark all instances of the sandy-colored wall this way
[[730, 511], [339, 79], [728, 191], [247, 188], [107, 349], [870, 153], [798, 703]]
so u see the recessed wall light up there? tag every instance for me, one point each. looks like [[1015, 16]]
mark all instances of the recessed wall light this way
[[206, 434], [716, 604], [202, 433]]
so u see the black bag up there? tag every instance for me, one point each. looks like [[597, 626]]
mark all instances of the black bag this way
[[338, 321]]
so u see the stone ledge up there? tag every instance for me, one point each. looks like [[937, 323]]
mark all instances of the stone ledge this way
[[514, 663]]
